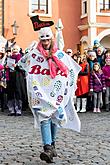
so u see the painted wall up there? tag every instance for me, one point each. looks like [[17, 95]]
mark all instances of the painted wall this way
[[99, 30], [84, 20], [68, 11], [103, 19]]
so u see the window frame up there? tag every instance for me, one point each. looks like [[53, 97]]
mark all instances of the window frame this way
[[49, 8], [104, 5], [84, 8]]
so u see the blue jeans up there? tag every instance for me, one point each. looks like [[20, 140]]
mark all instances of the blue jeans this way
[[48, 131]]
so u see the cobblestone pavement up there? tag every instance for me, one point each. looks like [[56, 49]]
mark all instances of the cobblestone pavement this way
[[20, 143]]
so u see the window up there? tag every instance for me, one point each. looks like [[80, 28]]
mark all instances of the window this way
[[84, 7], [104, 4], [41, 7]]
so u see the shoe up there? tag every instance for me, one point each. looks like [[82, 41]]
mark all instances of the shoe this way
[[78, 110], [82, 110], [2, 109], [98, 110], [107, 107], [78, 105], [84, 101], [95, 110], [47, 155], [11, 114], [53, 149], [18, 114]]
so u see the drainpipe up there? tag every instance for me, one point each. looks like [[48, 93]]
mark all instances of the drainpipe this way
[[3, 17]]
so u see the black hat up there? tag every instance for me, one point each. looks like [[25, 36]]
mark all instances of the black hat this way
[[38, 24]]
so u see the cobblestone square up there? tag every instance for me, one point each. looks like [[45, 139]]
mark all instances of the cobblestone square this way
[[21, 144]]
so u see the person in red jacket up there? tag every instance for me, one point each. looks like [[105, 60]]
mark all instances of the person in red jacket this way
[[82, 85]]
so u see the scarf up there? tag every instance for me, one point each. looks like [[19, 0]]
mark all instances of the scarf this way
[[53, 62]]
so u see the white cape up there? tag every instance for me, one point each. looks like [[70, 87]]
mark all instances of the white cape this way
[[51, 98]]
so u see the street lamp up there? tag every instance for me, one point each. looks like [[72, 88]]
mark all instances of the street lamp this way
[[14, 28]]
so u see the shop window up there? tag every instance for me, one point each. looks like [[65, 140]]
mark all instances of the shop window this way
[[41, 7]]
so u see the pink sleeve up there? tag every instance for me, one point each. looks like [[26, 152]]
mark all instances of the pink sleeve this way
[[1, 67]]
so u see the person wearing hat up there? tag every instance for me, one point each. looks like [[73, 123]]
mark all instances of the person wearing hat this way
[[51, 83], [91, 59], [100, 52]]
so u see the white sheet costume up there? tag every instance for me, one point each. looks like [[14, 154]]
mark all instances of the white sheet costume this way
[[51, 97]]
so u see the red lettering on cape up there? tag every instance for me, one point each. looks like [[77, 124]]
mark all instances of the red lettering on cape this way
[[37, 25], [36, 69], [61, 73], [45, 71]]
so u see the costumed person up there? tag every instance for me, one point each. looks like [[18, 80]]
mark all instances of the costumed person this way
[[15, 83], [100, 52], [97, 86], [51, 83], [106, 71], [82, 85]]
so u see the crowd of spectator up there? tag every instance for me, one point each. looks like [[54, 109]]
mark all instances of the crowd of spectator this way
[[93, 83]]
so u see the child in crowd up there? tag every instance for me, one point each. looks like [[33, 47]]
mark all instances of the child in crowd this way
[[91, 59], [97, 86], [82, 85], [106, 71]]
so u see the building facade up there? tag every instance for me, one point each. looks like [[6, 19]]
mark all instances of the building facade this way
[[1, 17], [95, 22], [83, 20]]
